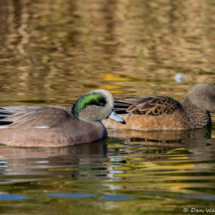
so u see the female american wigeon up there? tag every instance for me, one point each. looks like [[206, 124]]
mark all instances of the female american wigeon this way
[[165, 113], [56, 126]]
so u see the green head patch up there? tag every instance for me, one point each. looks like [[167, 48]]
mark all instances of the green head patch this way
[[88, 99]]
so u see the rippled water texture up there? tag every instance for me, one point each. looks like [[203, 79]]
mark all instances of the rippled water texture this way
[[54, 51]]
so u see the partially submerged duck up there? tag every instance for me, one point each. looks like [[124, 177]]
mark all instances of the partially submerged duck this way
[[54, 126], [165, 113]]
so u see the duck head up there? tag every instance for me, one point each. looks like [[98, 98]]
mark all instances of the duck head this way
[[95, 106]]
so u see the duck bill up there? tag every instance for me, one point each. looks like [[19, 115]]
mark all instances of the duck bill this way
[[116, 118]]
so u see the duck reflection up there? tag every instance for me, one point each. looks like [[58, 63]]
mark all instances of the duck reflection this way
[[197, 142], [98, 160], [164, 137], [51, 161]]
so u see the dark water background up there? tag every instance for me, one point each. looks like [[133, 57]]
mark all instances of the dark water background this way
[[51, 52]]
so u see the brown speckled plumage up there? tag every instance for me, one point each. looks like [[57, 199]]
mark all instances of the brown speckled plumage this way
[[165, 113]]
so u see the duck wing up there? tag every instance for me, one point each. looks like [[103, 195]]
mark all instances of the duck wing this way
[[34, 116], [150, 105]]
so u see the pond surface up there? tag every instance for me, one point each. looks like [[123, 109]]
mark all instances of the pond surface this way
[[54, 51]]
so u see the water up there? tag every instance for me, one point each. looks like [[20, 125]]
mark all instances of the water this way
[[145, 172], [54, 51]]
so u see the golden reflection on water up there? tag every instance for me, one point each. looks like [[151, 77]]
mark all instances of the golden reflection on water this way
[[58, 50]]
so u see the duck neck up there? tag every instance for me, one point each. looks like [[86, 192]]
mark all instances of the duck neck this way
[[197, 117], [88, 117]]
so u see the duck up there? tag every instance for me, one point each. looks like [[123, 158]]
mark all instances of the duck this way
[[157, 112], [55, 126]]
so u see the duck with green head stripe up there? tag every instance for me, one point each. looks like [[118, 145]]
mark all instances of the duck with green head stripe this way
[[57, 126], [94, 107]]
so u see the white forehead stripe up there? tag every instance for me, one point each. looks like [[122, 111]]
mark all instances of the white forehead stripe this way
[[107, 94]]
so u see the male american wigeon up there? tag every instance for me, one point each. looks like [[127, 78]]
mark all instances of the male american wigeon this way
[[165, 113], [57, 126]]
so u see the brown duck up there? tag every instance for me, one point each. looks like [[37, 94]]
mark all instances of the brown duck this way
[[57, 126], [165, 113]]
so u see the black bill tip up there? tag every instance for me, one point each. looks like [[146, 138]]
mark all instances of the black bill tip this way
[[123, 122]]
